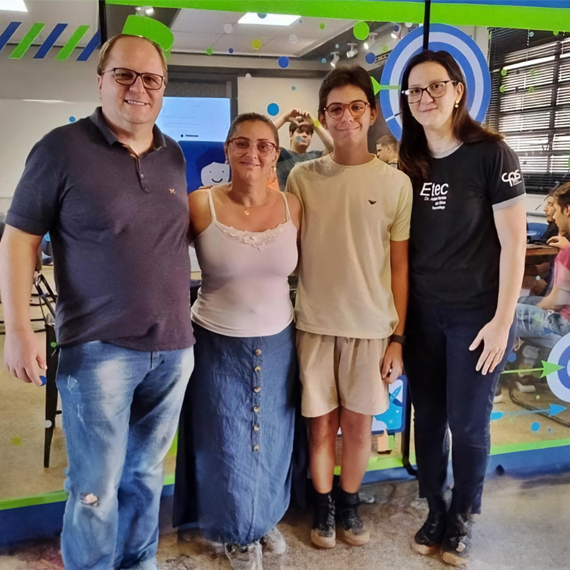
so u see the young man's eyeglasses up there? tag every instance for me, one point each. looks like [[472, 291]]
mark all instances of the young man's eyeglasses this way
[[435, 91], [124, 76], [356, 108], [241, 144]]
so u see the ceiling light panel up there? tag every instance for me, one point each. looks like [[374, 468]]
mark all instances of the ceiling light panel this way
[[13, 5], [268, 19]]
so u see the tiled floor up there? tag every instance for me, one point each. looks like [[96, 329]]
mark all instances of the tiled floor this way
[[524, 526]]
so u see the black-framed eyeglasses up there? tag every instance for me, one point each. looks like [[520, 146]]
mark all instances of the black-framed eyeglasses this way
[[243, 144], [356, 108], [124, 76], [435, 90]]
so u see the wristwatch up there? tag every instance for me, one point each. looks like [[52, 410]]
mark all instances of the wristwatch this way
[[399, 338]]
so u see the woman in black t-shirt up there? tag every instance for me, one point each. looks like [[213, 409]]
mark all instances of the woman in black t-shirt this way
[[467, 249]]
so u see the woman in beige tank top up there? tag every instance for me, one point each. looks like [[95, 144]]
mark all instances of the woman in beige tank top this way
[[240, 404]]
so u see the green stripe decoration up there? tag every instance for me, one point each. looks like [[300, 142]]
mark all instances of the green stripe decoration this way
[[374, 464], [26, 41], [71, 44], [456, 14], [150, 29]]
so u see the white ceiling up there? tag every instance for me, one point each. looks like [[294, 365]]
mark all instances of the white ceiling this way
[[51, 12], [194, 30], [197, 30]]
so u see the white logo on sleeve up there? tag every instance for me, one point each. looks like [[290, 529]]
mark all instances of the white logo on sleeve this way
[[513, 178], [436, 194]]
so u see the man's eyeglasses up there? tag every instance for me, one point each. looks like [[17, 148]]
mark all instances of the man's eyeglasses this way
[[124, 76], [435, 91], [241, 144], [356, 108]]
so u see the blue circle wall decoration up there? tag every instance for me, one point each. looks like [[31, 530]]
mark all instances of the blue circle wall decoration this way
[[464, 50], [559, 380], [273, 109]]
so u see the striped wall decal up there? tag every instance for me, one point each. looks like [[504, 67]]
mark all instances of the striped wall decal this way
[[71, 44], [8, 33], [64, 53], [26, 41], [50, 41], [94, 43]]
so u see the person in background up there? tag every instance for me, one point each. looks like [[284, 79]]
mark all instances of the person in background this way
[[554, 236], [538, 277], [240, 403], [543, 321], [552, 229], [387, 150], [351, 298], [302, 126], [111, 191], [467, 253]]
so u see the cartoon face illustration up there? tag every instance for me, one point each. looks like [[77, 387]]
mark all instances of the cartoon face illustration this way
[[215, 173]]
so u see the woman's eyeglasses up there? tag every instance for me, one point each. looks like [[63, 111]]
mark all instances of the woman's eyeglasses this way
[[124, 76], [435, 91], [356, 108], [241, 144]]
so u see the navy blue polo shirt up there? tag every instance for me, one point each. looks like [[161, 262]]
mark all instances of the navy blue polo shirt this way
[[119, 230]]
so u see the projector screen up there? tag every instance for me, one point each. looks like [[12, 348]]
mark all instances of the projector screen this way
[[200, 126]]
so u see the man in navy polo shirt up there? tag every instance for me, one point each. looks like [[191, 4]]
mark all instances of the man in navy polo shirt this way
[[111, 191]]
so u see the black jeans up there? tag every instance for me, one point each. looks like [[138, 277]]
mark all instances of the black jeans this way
[[447, 392]]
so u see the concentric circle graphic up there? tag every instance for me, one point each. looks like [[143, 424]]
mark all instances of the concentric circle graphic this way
[[442, 37], [559, 381]]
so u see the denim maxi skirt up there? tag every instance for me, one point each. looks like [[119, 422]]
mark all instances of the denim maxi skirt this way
[[242, 413]]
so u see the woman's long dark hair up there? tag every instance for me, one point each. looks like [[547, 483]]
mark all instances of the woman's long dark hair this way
[[415, 158]]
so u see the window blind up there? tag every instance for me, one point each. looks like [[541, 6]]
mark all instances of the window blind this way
[[530, 103]]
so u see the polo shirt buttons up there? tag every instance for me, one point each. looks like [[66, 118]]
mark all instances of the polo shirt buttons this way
[[256, 409], [257, 369], [256, 448], [256, 427], [142, 175], [257, 389], [258, 352]]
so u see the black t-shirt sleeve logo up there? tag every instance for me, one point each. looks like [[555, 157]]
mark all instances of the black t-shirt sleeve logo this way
[[505, 180], [513, 178], [436, 194]]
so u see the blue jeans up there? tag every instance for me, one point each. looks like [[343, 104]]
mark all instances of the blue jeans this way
[[539, 326], [450, 395], [120, 413]]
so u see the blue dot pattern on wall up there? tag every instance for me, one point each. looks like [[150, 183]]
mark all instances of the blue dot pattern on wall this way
[[273, 109], [324, 60], [283, 62], [370, 58], [231, 50], [72, 119], [293, 88], [535, 426]]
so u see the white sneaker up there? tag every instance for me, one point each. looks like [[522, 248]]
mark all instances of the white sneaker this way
[[526, 384], [274, 542], [244, 557]]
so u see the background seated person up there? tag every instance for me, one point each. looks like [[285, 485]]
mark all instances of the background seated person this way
[[544, 321], [552, 229], [301, 129], [538, 277], [387, 150]]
